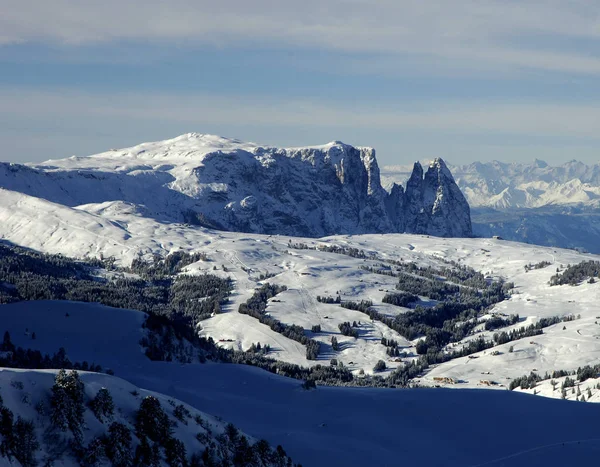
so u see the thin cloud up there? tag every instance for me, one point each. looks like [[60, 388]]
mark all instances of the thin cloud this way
[[528, 34], [485, 118]]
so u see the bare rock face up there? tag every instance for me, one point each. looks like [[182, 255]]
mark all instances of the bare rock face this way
[[231, 185], [434, 203]]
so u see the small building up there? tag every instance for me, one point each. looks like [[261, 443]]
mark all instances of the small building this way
[[497, 237]]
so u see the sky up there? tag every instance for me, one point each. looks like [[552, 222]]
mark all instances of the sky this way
[[464, 80]]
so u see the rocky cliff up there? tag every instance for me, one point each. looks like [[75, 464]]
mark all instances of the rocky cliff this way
[[226, 184]]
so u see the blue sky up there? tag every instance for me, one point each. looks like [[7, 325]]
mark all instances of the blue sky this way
[[464, 80]]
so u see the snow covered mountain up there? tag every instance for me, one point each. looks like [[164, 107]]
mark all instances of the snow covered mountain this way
[[226, 184], [514, 185], [533, 203], [342, 426]]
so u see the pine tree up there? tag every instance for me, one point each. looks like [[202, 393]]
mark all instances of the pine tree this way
[[74, 388], [102, 406], [244, 454], [118, 445], [24, 442], [6, 430], [7, 344], [262, 450], [60, 408], [147, 454], [175, 453], [231, 432], [152, 421], [67, 403], [334, 343], [94, 453]]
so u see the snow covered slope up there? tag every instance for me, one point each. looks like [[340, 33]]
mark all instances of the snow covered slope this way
[[226, 184], [339, 426], [28, 394], [309, 273], [559, 226]]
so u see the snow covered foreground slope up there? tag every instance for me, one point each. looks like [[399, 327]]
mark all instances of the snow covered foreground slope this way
[[226, 184], [326, 426], [27, 394]]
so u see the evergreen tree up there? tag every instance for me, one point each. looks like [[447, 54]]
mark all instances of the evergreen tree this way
[[24, 442], [147, 454], [60, 408], [118, 445], [262, 450], [243, 454], [175, 453], [102, 406], [6, 430], [7, 345], [94, 453], [152, 421], [334, 343], [67, 403], [74, 388]]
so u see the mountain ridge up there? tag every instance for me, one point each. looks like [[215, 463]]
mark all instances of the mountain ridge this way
[[502, 185], [227, 184]]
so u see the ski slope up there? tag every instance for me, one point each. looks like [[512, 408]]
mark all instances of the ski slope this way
[[341, 426]]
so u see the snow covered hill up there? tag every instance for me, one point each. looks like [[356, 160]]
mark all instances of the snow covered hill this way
[[341, 426], [311, 268], [226, 184], [118, 424]]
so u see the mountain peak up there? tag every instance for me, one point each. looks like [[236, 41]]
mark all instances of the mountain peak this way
[[225, 183], [439, 167]]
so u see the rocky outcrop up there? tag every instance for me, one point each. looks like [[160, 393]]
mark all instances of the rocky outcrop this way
[[434, 203], [230, 185]]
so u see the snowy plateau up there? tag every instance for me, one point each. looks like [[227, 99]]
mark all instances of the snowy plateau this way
[[159, 200]]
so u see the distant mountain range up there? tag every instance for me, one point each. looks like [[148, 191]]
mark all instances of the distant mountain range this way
[[502, 185], [533, 203], [230, 185]]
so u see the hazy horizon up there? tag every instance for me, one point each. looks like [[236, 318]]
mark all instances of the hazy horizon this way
[[465, 81]]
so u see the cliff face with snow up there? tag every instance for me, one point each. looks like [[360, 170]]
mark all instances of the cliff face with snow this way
[[501, 185], [230, 185]]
